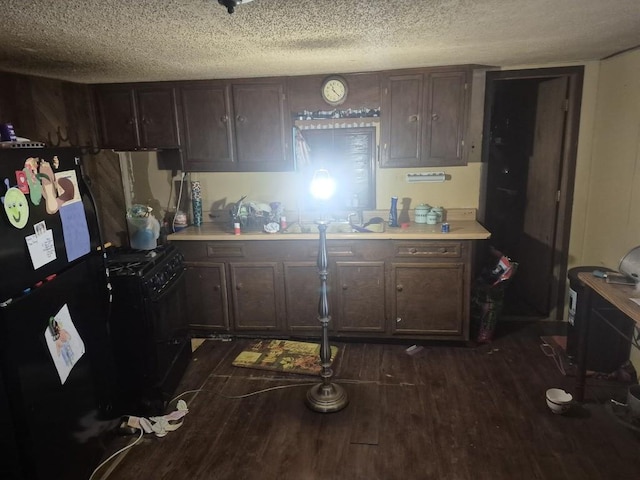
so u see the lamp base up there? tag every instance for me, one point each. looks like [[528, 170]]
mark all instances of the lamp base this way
[[327, 398]]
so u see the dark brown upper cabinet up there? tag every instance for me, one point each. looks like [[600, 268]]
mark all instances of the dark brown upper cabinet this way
[[235, 127], [137, 116], [424, 117], [262, 127], [207, 126]]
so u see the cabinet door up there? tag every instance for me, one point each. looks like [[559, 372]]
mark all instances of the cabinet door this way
[[427, 298], [262, 136], [359, 297], [117, 117], [206, 127], [302, 293], [157, 117], [207, 306], [445, 102], [256, 293], [402, 121]]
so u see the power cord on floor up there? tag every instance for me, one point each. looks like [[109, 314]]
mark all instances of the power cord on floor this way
[[115, 454], [196, 391], [550, 352]]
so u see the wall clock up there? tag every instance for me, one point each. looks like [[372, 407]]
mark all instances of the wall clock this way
[[334, 90]]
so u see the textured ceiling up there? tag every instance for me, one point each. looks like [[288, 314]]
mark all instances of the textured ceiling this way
[[94, 41]]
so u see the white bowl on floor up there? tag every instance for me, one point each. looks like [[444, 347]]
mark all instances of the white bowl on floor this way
[[558, 400]]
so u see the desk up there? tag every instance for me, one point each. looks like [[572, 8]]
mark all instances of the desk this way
[[618, 296]]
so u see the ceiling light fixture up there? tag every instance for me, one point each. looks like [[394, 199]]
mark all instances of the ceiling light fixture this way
[[231, 5]]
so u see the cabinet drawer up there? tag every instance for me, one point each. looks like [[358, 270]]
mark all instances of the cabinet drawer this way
[[428, 250], [334, 249], [225, 250]]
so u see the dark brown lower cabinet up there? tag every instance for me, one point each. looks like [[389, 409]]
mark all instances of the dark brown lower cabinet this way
[[256, 292], [302, 293], [425, 299], [377, 288], [207, 304], [359, 295]]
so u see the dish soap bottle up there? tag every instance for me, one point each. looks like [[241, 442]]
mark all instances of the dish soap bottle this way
[[393, 212]]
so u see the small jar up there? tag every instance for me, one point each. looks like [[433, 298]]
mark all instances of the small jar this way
[[440, 212], [236, 228], [283, 223], [432, 218], [421, 212]]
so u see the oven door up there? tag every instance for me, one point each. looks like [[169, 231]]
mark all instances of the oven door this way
[[172, 342]]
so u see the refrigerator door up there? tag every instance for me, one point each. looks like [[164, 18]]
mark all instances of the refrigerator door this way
[[47, 218], [58, 428]]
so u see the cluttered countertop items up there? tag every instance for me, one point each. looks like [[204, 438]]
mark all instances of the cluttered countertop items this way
[[452, 224]]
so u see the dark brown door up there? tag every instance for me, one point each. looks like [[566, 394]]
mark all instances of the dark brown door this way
[[207, 306], [157, 121], [207, 127], [402, 121], [117, 117], [427, 299], [256, 294], [445, 119], [261, 134], [360, 297], [302, 293], [536, 248]]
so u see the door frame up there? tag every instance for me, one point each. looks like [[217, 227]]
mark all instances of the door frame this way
[[575, 77]]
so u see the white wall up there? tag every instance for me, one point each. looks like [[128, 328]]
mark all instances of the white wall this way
[[611, 225]]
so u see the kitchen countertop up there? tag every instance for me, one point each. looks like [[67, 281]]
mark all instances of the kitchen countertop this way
[[458, 230]]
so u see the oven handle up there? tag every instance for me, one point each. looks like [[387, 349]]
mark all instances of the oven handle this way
[[173, 285]]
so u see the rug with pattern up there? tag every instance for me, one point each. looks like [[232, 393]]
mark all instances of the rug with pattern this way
[[283, 356]]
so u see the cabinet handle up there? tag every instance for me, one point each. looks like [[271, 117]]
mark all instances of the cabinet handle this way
[[413, 250], [345, 287], [240, 119], [224, 118], [145, 121], [442, 250], [239, 286], [434, 116], [216, 288], [398, 319], [413, 118], [130, 121], [399, 287]]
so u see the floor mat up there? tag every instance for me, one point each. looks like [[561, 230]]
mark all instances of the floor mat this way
[[283, 356]]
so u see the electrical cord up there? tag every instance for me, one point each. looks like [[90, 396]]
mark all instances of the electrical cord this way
[[173, 223], [186, 392], [230, 397], [550, 352], [115, 454]]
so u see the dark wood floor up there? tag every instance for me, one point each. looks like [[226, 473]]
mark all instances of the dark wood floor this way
[[448, 412]]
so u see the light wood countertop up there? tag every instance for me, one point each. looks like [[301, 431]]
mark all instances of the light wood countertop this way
[[458, 230]]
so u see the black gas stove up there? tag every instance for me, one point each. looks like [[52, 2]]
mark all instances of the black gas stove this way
[[155, 269], [149, 329]]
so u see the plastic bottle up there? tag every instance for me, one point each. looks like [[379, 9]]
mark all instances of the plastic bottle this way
[[393, 212]]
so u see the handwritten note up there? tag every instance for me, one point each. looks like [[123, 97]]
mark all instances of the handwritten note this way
[[41, 248]]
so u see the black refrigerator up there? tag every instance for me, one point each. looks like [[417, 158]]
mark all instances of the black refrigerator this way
[[55, 362]]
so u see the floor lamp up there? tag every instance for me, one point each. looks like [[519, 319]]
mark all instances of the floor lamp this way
[[326, 396]]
